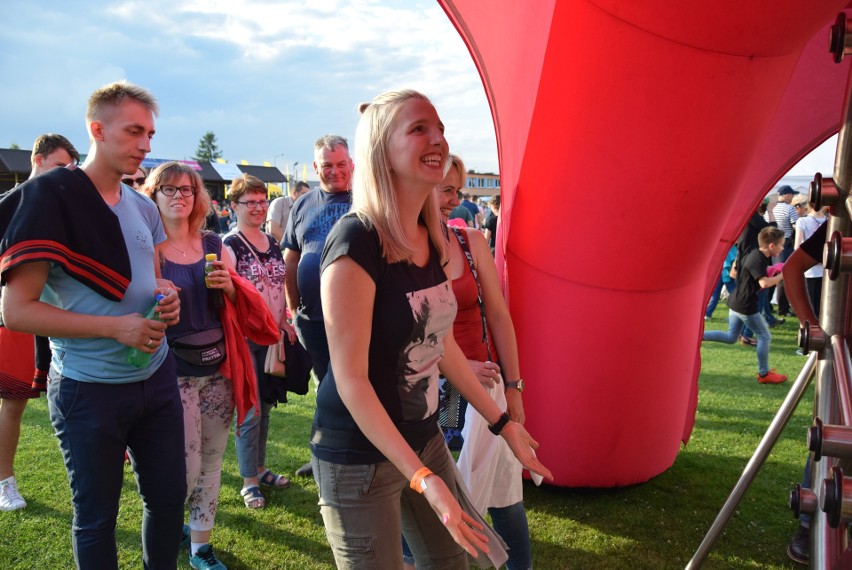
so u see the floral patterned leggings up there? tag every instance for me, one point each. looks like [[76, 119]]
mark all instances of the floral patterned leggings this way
[[208, 406]]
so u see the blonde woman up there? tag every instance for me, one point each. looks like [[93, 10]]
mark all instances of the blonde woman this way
[[484, 331], [378, 456]]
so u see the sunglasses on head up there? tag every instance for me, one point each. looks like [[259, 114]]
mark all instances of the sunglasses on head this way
[[132, 181]]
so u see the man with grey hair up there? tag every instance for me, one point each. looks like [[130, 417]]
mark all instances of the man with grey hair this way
[[311, 218], [80, 261]]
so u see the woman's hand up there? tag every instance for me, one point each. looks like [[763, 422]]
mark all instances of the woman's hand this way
[[220, 278], [488, 373], [515, 406], [464, 529], [522, 445], [288, 332]]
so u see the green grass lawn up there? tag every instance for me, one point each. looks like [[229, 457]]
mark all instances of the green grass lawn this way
[[656, 525]]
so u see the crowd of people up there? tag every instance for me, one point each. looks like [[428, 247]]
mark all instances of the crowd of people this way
[[753, 278], [147, 312], [782, 244]]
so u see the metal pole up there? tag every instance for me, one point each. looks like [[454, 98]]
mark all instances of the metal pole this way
[[842, 368], [825, 543], [770, 438]]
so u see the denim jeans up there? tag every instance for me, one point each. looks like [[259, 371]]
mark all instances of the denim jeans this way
[[805, 519], [756, 323], [313, 338], [250, 437], [512, 526], [716, 295], [95, 423], [764, 307], [365, 508]]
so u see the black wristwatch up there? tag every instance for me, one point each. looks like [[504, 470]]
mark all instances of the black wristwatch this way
[[517, 385], [500, 424]]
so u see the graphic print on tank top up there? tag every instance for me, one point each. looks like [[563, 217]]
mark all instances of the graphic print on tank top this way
[[433, 310]]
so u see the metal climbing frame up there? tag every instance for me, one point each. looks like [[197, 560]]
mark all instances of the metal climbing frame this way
[[829, 502]]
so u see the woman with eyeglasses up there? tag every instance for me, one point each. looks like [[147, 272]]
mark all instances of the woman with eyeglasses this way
[[205, 343], [257, 257]]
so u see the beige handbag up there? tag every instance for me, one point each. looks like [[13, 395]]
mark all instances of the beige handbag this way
[[275, 359], [274, 365]]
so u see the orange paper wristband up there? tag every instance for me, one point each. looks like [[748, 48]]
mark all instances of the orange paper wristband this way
[[417, 479]]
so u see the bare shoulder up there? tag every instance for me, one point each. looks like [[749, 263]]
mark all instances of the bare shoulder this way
[[478, 247], [476, 240]]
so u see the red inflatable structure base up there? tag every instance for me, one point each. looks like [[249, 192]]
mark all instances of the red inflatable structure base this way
[[682, 118]]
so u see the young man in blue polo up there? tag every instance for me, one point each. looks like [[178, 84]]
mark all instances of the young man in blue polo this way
[[79, 259]]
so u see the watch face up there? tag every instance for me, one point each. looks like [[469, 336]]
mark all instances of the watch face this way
[[521, 385]]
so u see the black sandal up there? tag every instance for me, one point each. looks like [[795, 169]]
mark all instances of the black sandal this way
[[252, 497], [270, 479]]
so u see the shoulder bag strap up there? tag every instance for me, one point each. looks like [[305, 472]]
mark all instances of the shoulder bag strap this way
[[263, 272], [466, 249]]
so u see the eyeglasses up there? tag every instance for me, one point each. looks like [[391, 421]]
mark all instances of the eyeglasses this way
[[252, 204], [185, 191], [132, 181]]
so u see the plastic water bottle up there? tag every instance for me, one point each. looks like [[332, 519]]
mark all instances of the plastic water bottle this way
[[135, 356], [214, 296]]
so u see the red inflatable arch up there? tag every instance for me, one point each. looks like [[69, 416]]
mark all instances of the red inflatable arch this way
[[681, 119]]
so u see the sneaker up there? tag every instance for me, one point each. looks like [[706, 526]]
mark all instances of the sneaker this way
[[746, 341], [778, 322], [771, 377], [798, 549], [10, 498], [305, 470], [185, 537], [205, 559]]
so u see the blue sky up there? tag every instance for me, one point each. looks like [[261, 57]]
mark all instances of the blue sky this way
[[267, 78]]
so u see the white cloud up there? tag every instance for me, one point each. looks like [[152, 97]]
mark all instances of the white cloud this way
[[267, 77]]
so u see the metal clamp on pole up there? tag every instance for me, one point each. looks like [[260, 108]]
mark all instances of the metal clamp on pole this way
[[811, 338], [829, 440], [838, 255], [840, 41], [803, 501], [822, 192], [836, 497]]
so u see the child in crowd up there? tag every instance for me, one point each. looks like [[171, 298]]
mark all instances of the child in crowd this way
[[752, 276]]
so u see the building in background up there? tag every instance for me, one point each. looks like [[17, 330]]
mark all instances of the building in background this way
[[15, 168], [482, 184]]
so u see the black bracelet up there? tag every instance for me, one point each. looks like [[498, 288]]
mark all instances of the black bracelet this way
[[500, 424]]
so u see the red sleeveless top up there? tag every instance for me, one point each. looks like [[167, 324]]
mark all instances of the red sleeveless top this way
[[467, 328]]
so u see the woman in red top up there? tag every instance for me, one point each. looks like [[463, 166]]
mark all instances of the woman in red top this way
[[497, 486]]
